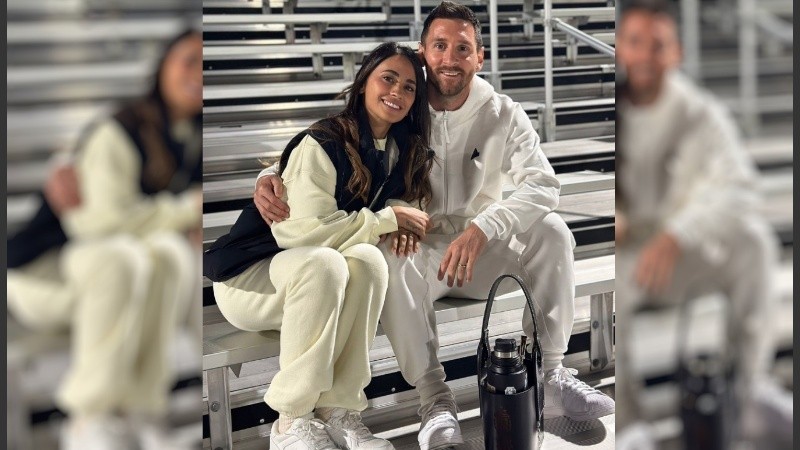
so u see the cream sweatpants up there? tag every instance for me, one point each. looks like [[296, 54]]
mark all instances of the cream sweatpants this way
[[326, 305], [740, 268], [542, 257], [122, 297]]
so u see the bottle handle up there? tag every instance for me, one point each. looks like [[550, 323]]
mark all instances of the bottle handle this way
[[483, 345]]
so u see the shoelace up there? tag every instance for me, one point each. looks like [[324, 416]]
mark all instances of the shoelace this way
[[352, 422], [565, 377], [314, 430]]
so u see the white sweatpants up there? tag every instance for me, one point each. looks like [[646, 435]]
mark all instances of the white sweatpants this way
[[542, 256], [741, 269], [122, 297], [326, 305]]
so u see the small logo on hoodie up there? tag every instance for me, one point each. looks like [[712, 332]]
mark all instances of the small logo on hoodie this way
[[475, 154]]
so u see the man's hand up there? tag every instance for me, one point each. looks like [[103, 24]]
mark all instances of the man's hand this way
[[657, 263], [401, 242], [268, 199], [620, 227], [61, 190], [461, 255]]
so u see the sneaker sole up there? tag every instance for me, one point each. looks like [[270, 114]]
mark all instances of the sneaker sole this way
[[341, 442], [442, 444], [553, 412]]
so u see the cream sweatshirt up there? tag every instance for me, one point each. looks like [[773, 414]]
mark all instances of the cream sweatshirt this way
[[315, 218], [109, 173]]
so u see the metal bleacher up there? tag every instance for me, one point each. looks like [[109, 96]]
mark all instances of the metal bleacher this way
[[267, 79]]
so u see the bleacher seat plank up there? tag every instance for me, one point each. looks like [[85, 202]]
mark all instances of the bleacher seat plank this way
[[240, 51], [254, 90], [98, 30], [339, 18], [600, 13], [224, 345]]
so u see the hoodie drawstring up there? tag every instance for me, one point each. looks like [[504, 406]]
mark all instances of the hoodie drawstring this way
[[446, 131]]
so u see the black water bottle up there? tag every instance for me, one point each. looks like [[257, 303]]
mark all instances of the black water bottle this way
[[506, 373]]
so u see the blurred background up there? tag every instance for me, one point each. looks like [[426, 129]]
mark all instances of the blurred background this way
[[71, 63], [740, 51]]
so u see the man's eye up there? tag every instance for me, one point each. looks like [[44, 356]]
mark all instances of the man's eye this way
[[438, 46]]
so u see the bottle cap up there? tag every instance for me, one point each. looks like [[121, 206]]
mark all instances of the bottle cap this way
[[505, 345]]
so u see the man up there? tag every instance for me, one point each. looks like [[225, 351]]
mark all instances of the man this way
[[686, 223], [483, 140]]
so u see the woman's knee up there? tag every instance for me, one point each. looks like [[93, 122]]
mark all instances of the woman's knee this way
[[121, 262], [367, 261], [324, 266]]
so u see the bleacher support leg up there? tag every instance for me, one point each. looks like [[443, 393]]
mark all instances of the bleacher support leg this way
[[600, 333], [349, 66], [527, 15], [288, 8], [18, 434], [219, 409], [549, 122], [316, 38]]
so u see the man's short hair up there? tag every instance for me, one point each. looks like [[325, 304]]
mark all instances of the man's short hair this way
[[655, 7], [450, 10]]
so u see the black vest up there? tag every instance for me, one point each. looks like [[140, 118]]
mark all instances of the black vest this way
[[250, 239], [163, 168]]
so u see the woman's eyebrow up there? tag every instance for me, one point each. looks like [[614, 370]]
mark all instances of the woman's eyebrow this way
[[398, 75]]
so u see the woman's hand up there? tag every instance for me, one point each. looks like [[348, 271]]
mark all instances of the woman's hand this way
[[413, 220], [402, 242]]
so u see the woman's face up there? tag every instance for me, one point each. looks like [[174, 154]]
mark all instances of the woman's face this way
[[181, 77], [389, 93]]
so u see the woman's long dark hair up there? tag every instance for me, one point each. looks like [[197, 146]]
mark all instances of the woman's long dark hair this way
[[148, 119], [344, 128]]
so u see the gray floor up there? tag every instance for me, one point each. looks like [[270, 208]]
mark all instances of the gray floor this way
[[560, 433]]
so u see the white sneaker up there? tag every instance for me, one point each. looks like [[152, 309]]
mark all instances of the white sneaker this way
[[347, 431], [306, 433], [96, 433], [440, 428], [565, 395]]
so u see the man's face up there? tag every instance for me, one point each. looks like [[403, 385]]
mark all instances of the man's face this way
[[451, 56], [647, 48]]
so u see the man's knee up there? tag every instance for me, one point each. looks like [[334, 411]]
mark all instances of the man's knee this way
[[551, 235]]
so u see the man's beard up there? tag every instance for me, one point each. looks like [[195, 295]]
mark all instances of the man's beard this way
[[452, 90]]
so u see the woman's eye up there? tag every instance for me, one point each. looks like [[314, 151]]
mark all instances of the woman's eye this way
[[410, 88], [388, 79]]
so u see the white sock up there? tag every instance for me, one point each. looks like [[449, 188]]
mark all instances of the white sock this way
[[432, 385], [284, 423], [549, 365], [324, 414]]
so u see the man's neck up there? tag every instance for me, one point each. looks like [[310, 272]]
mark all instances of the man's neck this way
[[441, 103], [646, 97]]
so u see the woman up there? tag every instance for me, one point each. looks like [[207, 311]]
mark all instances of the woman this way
[[318, 276], [118, 268]]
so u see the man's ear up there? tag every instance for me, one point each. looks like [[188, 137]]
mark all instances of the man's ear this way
[[421, 53], [480, 58]]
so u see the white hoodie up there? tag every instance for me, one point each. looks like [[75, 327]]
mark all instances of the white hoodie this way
[[486, 144], [685, 168]]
